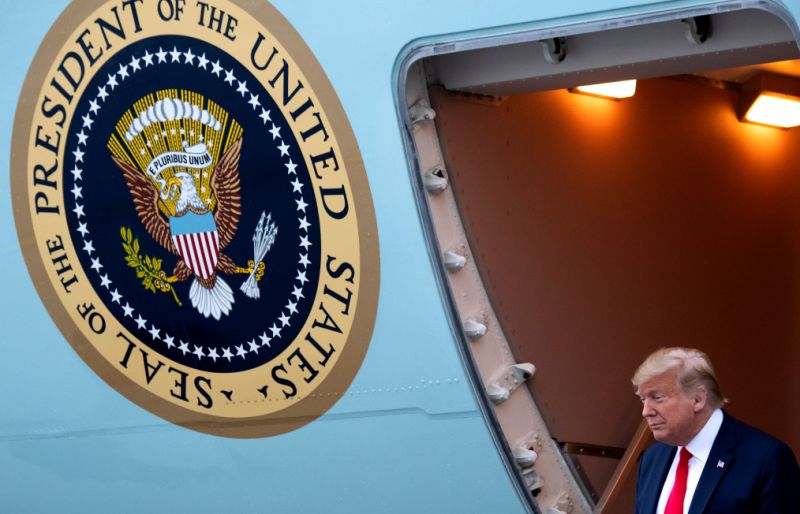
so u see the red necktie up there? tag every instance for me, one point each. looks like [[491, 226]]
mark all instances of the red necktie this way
[[678, 493]]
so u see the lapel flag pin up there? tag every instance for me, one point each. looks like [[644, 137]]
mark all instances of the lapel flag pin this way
[[720, 464]]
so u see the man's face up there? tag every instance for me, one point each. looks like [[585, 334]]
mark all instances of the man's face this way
[[673, 417]]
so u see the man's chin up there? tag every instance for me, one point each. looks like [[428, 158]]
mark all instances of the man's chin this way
[[659, 433]]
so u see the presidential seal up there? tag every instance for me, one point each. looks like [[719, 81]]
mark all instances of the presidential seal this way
[[194, 212]]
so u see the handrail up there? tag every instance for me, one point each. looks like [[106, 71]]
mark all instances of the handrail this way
[[641, 439]]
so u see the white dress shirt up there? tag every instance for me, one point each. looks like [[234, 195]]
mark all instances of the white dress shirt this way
[[700, 448]]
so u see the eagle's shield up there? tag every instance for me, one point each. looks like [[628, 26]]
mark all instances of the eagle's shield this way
[[195, 237]]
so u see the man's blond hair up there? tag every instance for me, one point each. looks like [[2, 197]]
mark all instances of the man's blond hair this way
[[692, 367]]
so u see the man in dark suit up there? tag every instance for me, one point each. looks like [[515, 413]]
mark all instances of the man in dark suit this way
[[705, 461]]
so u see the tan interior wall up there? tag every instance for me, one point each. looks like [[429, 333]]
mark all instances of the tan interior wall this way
[[605, 230]]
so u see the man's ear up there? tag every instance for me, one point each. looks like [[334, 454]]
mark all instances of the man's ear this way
[[700, 399]]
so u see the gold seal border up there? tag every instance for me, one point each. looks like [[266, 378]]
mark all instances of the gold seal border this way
[[303, 410]]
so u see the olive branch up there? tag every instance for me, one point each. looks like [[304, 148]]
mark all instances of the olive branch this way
[[148, 269]]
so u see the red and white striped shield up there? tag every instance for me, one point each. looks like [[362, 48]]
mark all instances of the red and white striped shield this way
[[199, 250]]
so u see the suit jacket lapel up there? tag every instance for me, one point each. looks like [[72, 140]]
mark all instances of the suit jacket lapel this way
[[719, 461], [661, 463]]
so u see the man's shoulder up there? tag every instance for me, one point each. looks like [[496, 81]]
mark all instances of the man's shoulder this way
[[756, 447], [746, 434]]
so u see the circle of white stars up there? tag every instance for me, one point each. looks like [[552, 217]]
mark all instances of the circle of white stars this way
[[215, 69]]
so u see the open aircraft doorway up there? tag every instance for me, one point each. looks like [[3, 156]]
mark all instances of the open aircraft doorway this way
[[573, 235]]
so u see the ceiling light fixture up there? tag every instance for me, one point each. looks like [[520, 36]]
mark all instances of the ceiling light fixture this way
[[770, 99], [612, 90]]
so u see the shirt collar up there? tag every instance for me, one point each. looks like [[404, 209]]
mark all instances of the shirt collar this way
[[700, 446]]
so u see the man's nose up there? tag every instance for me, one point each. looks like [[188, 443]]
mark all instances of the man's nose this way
[[647, 409]]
